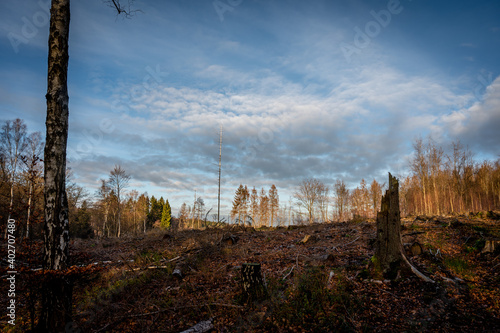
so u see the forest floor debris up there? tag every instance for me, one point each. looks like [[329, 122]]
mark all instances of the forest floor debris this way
[[321, 284]]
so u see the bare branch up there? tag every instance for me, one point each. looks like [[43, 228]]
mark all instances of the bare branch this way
[[125, 9]]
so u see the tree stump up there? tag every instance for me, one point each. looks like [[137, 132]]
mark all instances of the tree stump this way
[[416, 249], [389, 257], [252, 284], [491, 245]]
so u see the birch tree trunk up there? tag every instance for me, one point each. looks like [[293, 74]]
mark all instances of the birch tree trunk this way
[[30, 196], [57, 290]]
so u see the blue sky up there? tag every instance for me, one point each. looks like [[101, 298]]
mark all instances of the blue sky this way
[[324, 89]]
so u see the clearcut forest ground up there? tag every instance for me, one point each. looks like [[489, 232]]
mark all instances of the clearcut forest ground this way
[[322, 285]]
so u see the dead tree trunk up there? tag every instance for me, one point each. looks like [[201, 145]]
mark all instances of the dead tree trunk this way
[[253, 286], [389, 259]]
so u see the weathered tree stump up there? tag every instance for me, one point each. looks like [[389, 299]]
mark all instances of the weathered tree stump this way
[[390, 259], [491, 245], [252, 284], [416, 249]]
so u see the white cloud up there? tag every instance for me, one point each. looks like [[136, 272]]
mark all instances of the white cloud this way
[[479, 125]]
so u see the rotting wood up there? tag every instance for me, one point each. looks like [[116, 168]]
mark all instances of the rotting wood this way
[[389, 256]]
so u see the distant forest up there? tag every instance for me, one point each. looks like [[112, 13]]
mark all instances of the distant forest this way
[[438, 183]]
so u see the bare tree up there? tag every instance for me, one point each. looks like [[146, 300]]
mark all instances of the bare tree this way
[[118, 181], [104, 202], [32, 160], [200, 209], [13, 145], [323, 201], [74, 192], [360, 200], [341, 198], [376, 196], [435, 161], [308, 195], [132, 199], [420, 167]]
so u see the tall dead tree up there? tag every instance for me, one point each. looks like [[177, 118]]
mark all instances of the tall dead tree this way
[[390, 259], [118, 180], [31, 161]]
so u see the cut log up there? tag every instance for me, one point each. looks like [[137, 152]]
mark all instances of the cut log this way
[[389, 259], [416, 249], [252, 284]]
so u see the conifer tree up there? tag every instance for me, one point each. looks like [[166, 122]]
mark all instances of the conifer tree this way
[[240, 203], [264, 207], [254, 206], [166, 216], [155, 211]]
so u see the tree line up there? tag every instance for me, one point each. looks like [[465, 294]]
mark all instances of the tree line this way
[[437, 183], [448, 183], [256, 208], [313, 201], [111, 211]]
